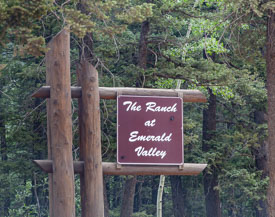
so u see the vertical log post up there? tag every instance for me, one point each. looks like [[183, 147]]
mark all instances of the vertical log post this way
[[48, 82], [62, 197], [92, 199]]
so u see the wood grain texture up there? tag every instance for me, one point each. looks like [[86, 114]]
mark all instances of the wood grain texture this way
[[90, 142], [62, 200], [270, 63], [111, 93], [48, 105], [112, 169]]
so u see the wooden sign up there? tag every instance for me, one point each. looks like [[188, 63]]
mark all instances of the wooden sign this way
[[149, 130]]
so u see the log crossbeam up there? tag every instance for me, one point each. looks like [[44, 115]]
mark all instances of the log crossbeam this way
[[112, 92], [190, 169]]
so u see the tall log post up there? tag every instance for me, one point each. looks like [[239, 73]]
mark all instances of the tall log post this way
[[270, 64], [61, 183], [48, 104], [92, 199]]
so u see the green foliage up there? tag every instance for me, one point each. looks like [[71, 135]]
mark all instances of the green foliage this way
[[237, 186], [18, 21], [79, 23], [20, 207], [105, 18], [256, 6], [223, 51], [141, 214], [22, 192], [137, 13]]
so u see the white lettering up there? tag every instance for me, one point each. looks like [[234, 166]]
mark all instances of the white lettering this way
[[152, 152], [134, 136], [150, 123], [131, 106], [152, 106]]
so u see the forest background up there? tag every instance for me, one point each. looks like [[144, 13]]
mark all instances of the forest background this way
[[224, 48]]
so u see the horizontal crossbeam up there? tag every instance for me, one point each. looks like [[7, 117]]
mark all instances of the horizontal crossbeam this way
[[112, 92], [113, 169]]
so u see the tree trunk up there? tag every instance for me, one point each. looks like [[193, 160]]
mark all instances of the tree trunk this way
[[177, 196], [106, 203], [116, 194], [86, 48], [270, 62], [138, 196], [260, 155], [154, 189], [37, 150], [210, 180], [142, 57], [128, 197]]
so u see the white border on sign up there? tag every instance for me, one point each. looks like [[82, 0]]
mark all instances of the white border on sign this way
[[170, 164]]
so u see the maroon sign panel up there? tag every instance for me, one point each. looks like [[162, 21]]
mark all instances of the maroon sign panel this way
[[149, 130]]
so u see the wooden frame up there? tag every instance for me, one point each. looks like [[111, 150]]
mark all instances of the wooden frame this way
[[60, 165]]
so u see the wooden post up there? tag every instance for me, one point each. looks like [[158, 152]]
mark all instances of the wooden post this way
[[48, 104], [92, 199], [62, 202]]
